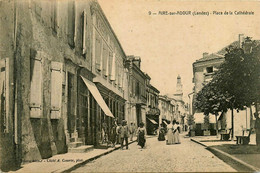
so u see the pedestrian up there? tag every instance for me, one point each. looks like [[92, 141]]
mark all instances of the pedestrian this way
[[141, 132], [113, 135], [257, 130], [161, 136], [118, 132], [124, 133], [169, 135], [104, 133], [176, 132], [132, 131]]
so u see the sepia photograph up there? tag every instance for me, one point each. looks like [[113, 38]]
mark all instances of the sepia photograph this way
[[129, 86]]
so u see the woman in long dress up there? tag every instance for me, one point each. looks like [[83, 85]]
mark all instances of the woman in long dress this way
[[141, 132], [169, 135], [161, 136], [176, 135], [113, 134]]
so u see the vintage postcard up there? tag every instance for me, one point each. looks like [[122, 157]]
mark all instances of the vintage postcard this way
[[129, 86]]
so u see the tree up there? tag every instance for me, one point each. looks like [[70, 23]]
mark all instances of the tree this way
[[212, 100], [190, 121], [236, 84], [206, 122]]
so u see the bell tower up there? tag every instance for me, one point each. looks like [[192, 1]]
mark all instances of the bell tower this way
[[179, 93]]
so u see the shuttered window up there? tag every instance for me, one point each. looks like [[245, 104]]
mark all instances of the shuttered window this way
[[54, 23], [113, 68], [110, 60], [98, 52], [119, 76], [4, 94], [105, 59], [71, 22], [116, 73], [56, 89], [36, 85], [84, 32]]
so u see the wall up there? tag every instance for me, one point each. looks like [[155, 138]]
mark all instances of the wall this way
[[41, 32]]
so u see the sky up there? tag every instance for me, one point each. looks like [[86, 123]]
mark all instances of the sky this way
[[169, 44]]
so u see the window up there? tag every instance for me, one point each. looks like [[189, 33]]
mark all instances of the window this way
[[119, 75], [105, 59], [209, 69], [110, 60], [137, 89], [54, 16], [36, 84], [56, 89], [113, 68], [71, 22], [4, 94], [84, 32], [98, 52]]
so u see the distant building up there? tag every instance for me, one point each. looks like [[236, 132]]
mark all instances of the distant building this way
[[152, 110], [181, 109], [166, 109], [137, 90]]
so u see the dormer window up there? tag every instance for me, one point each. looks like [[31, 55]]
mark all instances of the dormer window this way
[[209, 69]]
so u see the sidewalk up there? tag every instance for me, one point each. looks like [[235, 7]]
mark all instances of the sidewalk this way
[[66, 162], [245, 155]]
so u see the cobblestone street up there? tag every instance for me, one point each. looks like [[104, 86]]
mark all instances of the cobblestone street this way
[[158, 157]]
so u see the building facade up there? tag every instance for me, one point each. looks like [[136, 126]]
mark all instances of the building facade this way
[[108, 59], [152, 110], [137, 90], [166, 109], [62, 72]]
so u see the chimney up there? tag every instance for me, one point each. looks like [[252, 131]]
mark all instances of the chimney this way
[[241, 38], [205, 54], [137, 61]]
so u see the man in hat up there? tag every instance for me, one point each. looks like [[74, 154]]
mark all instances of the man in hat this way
[[124, 133]]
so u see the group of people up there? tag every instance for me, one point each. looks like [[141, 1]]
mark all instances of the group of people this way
[[121, 132], [170, 133]]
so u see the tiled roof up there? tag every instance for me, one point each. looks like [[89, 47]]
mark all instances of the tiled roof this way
[[210, 57]]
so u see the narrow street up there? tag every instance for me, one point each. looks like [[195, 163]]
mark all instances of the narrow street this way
[[158, 157]]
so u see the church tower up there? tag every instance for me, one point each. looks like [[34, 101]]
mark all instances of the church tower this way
[[179, 93]]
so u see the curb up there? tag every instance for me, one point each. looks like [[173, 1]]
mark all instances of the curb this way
[[90, 159], [228, 155]]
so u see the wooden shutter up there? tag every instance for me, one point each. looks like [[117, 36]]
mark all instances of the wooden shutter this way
[[4, 94], [56, 89], [120, 76], [98, 52], [84, 32], [113, 69], [110, 60], [36, 85], [104, 59], [116, 73]]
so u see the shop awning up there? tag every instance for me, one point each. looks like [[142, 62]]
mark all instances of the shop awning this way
[[96, 94], [154, 122]]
